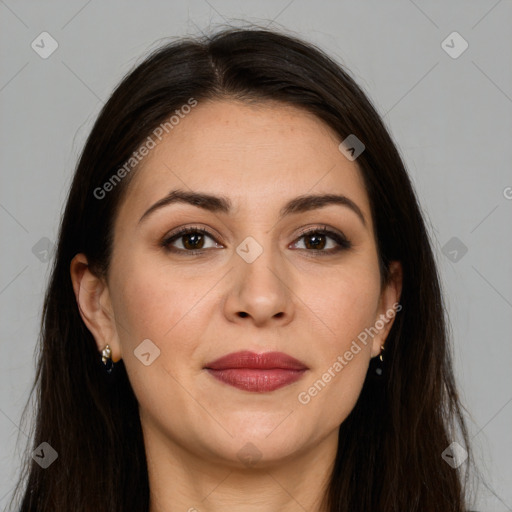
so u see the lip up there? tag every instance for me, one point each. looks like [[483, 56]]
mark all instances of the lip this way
[[261, 373]]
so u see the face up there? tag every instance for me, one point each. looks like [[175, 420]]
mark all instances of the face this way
[[257, 272]]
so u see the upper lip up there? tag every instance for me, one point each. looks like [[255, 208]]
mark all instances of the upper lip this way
[[251, 360]]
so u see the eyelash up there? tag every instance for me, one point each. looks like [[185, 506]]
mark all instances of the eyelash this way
[[341, 240]]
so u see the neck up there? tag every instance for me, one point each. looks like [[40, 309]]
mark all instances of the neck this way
[[182, 481]]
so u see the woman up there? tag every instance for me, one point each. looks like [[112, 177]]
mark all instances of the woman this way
[[244, 311]]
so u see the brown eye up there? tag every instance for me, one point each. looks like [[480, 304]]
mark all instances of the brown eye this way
[[316, 240], [192, 240]]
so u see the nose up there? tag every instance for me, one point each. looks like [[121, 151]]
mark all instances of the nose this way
[[260, 292]]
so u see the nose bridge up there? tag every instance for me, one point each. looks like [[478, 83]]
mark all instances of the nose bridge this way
[[260, 263], [260, 286]]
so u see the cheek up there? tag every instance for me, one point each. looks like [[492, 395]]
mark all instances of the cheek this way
[[341, 360], [347, 304], [152, 304]]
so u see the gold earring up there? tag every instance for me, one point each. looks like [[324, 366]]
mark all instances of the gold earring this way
[[106, 358], [379, 368]]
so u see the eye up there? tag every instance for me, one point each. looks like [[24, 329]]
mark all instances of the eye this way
[[192, 240], [315, 240]]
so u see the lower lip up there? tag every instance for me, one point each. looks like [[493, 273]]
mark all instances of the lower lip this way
[[257, 380]]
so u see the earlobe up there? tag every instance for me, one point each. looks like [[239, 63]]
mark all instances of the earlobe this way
[[93, 300]]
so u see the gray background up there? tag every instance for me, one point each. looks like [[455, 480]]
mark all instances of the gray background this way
[[451, 118]]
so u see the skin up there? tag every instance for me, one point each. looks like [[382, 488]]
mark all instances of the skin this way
[[312, 308]]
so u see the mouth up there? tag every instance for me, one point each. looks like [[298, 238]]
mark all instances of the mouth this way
[[259, 373]]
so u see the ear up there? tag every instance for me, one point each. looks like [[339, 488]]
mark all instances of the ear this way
[[93, 299], [388, 306]]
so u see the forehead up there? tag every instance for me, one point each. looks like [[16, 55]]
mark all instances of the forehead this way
[[260, 155]]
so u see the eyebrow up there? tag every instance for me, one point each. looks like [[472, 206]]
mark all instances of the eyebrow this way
[[222, 204]]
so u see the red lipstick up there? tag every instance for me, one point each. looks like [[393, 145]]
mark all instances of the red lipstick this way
[[257, 372]]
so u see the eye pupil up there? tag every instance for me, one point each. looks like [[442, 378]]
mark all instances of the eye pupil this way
[[196, 241], [316, 241]]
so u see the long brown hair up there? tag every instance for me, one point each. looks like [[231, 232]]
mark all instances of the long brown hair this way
[[390, 447]]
